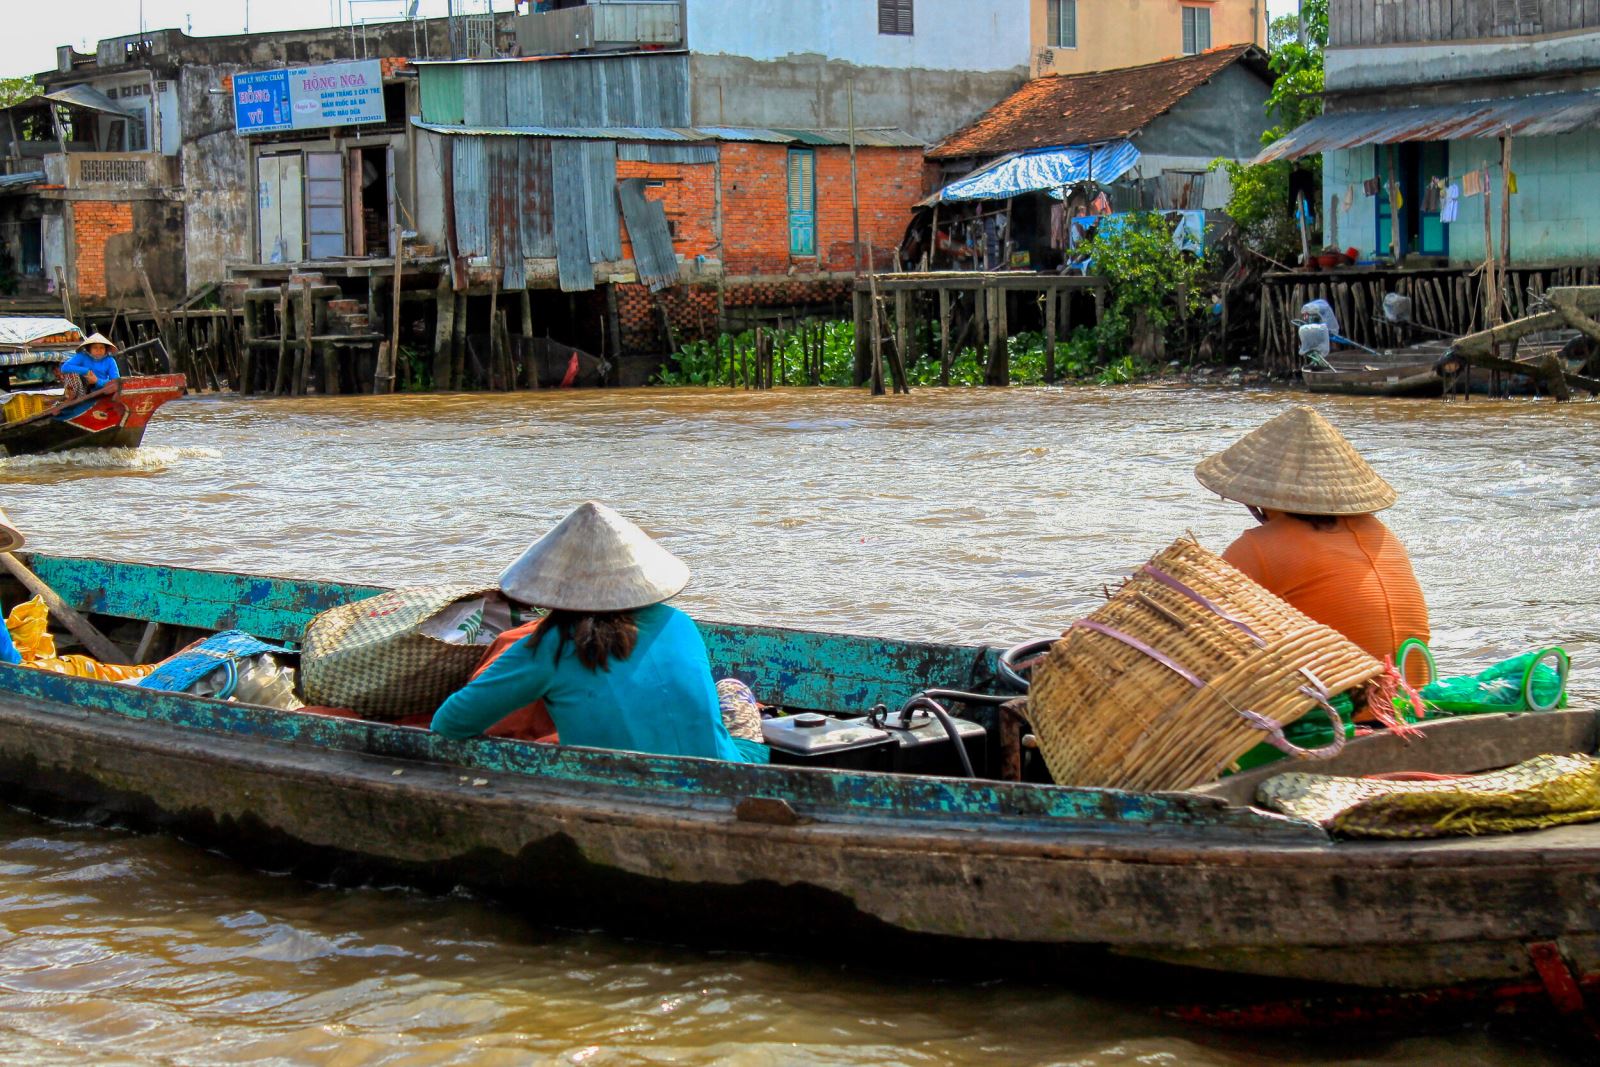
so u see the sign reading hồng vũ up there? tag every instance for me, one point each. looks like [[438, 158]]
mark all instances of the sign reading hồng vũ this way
[[308, 98]]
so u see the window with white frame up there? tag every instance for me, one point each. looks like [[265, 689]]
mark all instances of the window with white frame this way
[[1063, 18], [1196, 30]]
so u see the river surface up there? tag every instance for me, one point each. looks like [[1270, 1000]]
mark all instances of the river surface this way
[[960, 515]]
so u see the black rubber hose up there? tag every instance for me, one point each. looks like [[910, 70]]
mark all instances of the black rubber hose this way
[[923, 700], [1008, 660]]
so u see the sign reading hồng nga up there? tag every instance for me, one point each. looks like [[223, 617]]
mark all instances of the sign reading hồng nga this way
[[308, 98]]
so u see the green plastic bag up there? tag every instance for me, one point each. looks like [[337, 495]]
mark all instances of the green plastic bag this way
[[1522, 683]]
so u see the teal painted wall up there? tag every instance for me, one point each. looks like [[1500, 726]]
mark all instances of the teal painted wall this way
[[1555, 216]]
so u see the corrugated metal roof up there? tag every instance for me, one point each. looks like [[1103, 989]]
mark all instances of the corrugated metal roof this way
[[16, 183], [647, 88], [83, 96], [877, 138], [667, 153], [1538, 115]]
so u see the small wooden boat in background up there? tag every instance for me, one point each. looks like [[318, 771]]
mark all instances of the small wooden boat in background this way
[[819, 857], [35, 419]]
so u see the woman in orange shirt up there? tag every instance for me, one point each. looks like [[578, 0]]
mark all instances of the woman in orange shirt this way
[[1319, 546]]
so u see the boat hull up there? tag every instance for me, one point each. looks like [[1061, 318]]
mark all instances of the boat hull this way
[[663, 846], [115, 416]]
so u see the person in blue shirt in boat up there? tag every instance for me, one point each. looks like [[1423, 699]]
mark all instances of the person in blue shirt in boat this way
[[11, 539], [90, 368], [615, 666]]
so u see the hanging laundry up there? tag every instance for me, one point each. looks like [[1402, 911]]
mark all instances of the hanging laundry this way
[[1431, 198], [1396, 197], [1349, 198], [1451, 208], [1472, 183], [1370, 186], [1511, 182]]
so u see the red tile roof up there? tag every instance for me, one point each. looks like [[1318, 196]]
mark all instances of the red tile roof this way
[[1068, 109]]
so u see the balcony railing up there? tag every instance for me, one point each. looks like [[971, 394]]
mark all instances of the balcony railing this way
[[601, 26], [119, 170]]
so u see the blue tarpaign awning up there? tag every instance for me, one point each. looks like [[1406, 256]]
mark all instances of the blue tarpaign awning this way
[[1044, 170]]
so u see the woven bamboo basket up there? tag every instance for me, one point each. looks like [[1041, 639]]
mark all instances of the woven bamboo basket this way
[[1188, 666]]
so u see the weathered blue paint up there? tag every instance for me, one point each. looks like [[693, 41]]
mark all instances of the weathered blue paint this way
[[804, 669], [792, 668], [680, 781]]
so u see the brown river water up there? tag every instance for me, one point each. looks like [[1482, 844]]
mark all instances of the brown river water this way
[[961, 515]]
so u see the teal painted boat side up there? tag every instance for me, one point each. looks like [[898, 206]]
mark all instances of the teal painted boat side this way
[[995, 806], [791, 668]]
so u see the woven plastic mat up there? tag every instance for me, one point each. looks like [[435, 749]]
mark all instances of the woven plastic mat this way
[[1542, 792]]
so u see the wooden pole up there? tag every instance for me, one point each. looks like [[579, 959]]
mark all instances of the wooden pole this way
[[1051, 298], [444, 300], [1394, 211], [281, 383], [944, 337], [99, 646], [247, 358], [1505, 205], [1491, 284], [902, 340], [66, 296], [306, 351], [855, 187], [383, 380]]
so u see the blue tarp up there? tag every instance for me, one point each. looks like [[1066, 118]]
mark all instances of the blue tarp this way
[[1044, 170]]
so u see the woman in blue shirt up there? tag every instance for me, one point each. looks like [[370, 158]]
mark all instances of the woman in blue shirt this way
[[616, 667], [94, 366]]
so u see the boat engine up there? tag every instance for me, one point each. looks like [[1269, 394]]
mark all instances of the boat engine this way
[[923, 743], [810, 739]]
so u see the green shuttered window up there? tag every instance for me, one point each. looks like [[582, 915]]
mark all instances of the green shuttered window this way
[[802, 202]]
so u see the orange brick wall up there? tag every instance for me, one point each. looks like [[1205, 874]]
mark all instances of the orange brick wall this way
[[93, 224], [755, 204], [689, 197]]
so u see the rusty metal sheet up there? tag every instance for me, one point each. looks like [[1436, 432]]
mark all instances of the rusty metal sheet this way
[[653, 254], [600, 200], [1538, 115], [574, 268], [505, 212], [538, 219], [470, 175], [667, 153]]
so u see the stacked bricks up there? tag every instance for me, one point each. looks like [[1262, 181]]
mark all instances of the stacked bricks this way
[[693, 309], [94, 223]]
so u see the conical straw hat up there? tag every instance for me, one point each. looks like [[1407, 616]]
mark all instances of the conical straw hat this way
[[11, 538], [594, 560], [1297, 463], [99, 339]]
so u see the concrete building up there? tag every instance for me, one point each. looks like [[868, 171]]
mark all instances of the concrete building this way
[[139, 164], [1078, 36], [1436, 97], [923, 66]]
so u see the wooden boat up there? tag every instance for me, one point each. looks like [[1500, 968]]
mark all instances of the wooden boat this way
[[113, 416], [1197, 880], [1414, 371]]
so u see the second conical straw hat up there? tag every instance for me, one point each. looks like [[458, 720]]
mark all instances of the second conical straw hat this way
[[594, 560], [1299, 463]]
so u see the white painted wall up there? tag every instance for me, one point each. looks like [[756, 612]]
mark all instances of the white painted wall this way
[[950, 35]]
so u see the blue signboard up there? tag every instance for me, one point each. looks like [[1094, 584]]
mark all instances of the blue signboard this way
[[261, 102], [308, 98]]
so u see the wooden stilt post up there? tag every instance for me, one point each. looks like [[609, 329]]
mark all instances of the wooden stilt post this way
[[458, 341], [282, 382], [902, 341], [860, 320], [530, 369], [247, 358], [1051, 298], [444, 331], [944, 337]]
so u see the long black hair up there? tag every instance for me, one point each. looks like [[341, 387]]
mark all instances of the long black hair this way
[[598, 637]]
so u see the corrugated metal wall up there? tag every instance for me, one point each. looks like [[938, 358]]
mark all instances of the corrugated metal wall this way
[[631, 90], [653, 253], [573, 265]]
